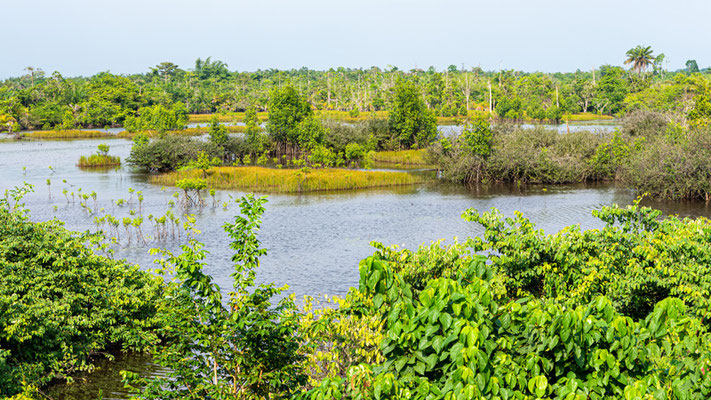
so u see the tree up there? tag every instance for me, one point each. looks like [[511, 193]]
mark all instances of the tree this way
[[287, 108], [640, 57], [158, 118], [253, 132], [414, 125], [658, 64], [242, 347], [692, 66], [217, 132], [165, 69], [611, 89]]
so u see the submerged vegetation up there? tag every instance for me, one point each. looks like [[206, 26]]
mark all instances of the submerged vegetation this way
[[271, 180], [668, 157]]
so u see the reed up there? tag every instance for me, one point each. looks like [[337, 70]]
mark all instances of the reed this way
[[270, 180], [403, 157], [99, 160], [66, 134]]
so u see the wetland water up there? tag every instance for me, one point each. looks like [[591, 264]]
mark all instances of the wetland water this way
[[314, 241]]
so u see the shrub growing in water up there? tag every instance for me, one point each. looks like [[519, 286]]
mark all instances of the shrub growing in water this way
[[169, 153]]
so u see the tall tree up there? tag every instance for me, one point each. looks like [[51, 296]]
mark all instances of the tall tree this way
[[287, 108], [640, 57], [410, 119], [692, 66]]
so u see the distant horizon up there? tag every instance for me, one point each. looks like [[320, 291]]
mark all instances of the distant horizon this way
[[384, 68], [85, 37]]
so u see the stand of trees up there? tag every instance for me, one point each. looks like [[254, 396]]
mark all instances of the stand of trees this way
[[40, 101]]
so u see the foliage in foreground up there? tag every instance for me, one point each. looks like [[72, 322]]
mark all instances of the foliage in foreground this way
[[242, 347], [613, 313], [61, 304]]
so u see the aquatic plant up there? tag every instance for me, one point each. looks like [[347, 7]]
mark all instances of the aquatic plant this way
[[101, 159]]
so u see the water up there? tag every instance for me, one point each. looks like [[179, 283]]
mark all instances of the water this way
[[315, 241], [597, 126]]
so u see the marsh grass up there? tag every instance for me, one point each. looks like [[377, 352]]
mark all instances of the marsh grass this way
[[290, 180], [99, 160], [402, 157], [66, 134]]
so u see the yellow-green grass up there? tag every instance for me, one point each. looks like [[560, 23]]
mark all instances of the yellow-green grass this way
[[99, 160], [403, 157], [183, 132], [586, 117], [271, 180], [66, 134]]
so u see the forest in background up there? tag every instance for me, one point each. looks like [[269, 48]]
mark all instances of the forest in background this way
[[38, 100]]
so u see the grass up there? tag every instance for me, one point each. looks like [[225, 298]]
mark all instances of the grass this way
[[66, 134], [272, 180], [99, 160], [404, 157], [183, 132]]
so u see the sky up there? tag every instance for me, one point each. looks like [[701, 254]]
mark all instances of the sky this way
[[83, 37]]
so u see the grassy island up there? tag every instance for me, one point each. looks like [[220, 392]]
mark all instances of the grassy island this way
[[290, 180], [66, 134], [100, 159]]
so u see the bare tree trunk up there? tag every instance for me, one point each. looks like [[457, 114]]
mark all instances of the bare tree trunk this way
[[328, 89], [490, 99]]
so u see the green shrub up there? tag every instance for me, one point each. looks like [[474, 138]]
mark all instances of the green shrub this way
[[61, 303], [170, 153]]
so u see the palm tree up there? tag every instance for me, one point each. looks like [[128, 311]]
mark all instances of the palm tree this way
[[640, 57]]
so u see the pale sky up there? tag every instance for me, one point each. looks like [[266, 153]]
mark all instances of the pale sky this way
[[83, 37]]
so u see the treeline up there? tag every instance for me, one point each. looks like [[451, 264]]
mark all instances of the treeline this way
[[38, 100]]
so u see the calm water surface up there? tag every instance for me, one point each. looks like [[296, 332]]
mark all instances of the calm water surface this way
[[314, 241]]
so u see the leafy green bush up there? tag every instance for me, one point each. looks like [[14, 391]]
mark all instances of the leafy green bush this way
[[576, 315], [170, 153], [60, 303], [158, 118], [240, 347]]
